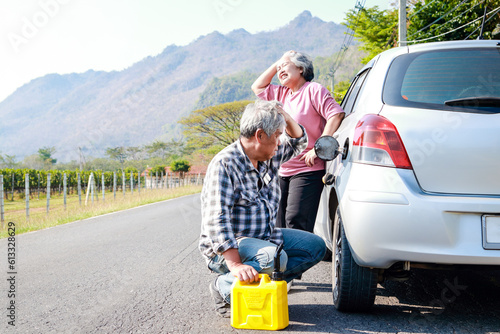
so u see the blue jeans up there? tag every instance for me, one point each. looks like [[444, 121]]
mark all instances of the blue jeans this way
[[301, 251]]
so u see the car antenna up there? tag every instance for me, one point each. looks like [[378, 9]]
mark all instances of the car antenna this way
[[482, 24]]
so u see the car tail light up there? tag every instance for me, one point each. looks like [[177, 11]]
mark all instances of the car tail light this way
[[376, 141]]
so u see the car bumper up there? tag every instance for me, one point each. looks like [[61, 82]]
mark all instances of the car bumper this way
[[388, 218]]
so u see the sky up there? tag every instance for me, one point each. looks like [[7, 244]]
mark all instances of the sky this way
[[38, 37]]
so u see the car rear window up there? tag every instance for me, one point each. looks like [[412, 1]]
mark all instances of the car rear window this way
[[433, 79]]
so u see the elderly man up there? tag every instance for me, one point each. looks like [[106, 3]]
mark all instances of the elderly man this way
[[240, 200]]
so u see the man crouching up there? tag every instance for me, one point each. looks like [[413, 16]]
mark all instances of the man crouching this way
[[240, 199]]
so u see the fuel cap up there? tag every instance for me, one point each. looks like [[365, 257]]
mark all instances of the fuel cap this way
[[326, 148]]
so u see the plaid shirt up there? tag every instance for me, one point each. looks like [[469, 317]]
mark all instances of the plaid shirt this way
[[237, 200]]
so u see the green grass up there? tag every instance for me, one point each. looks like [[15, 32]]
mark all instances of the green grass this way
[[15, 211]]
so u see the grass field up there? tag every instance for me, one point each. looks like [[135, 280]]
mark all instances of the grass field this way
[[15, 211]]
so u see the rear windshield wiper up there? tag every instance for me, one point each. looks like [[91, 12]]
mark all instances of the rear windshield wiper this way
[[475, 102]]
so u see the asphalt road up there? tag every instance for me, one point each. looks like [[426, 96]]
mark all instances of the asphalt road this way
[[139, 271]]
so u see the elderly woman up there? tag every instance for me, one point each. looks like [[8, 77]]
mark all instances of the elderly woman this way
[[311, 105]]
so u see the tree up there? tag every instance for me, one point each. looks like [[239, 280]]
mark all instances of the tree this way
[[134, 153], [157, 148], [116, 153], [340, 90], [129, 170], [329, 73], [376, 29], [45, 153], [177, 148], [102, 164], [180, 166], [7, 161], [158, 169], [452, 20], [409, 3], [35, 161], [428, 21], [214, 126]]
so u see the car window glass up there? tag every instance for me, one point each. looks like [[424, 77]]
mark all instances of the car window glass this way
[[429, 79], [441, 76], [348, 93], [360, 90], [352, 93]]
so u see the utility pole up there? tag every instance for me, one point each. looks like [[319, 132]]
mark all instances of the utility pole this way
[[402, 22]]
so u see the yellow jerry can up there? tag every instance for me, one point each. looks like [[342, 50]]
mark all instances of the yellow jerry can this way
[[262, 304], [259, 305]]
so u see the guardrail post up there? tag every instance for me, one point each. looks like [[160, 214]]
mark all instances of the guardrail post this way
[[12, 186], [139, 182], [48, 193], [92, 185], [27, 195], [131, 183], [103, 186], [79, 189], [89, 186], [1, 201], [64, 189]]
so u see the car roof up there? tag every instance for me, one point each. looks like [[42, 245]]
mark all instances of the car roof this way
[[396, 51], [454, 45]]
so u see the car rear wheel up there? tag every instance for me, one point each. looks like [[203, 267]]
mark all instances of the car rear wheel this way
[[354, 287]]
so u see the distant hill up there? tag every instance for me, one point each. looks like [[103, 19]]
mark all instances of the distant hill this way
[[96, 110], [228, 88]]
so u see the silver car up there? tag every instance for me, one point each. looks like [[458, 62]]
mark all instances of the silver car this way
[[417, 183]]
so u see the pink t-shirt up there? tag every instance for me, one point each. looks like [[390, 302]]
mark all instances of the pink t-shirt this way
[[312, 105]]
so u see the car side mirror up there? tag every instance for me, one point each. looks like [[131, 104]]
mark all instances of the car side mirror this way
[[327, 148]]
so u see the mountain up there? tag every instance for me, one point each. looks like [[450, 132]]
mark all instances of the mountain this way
[[96, 110], [235, 87]]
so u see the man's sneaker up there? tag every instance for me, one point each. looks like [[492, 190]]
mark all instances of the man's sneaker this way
[[221, 307]]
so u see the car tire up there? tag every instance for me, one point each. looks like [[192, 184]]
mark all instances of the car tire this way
[[354, 287]]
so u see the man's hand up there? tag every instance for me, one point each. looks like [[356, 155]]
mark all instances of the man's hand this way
[[243, 272], [309, 158]]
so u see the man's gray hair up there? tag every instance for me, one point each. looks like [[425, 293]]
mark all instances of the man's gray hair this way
[[302, 61], [261, 115]]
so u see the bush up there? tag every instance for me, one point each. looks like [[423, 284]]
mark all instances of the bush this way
[[128, 170], [15, 178], [180, 166], [158, 169]]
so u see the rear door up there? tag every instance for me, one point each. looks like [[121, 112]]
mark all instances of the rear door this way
[[446, 107]]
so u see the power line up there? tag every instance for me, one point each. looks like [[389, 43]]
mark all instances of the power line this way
[[463, 26], [456, 17], [451, 11], [446, 33], [347, 40], [492, 16], [430, 3]]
